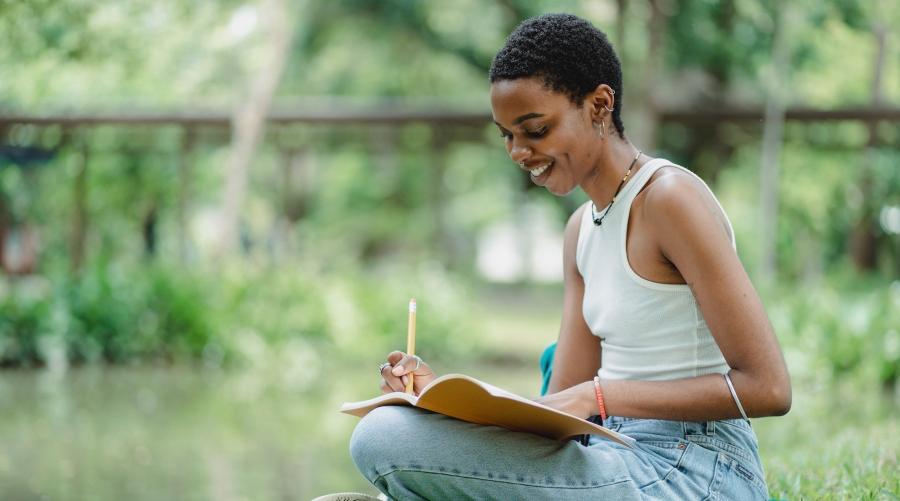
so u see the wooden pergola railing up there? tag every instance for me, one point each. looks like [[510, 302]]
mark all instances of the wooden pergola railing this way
[[436, 115], [439, 114]]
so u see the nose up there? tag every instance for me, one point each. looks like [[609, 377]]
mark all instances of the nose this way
[[519, 152]]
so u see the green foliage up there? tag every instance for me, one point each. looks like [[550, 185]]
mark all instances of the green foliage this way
[[120, 313], [842, 328], [23, 319], [105, 314], [371, 224], [363, 315]]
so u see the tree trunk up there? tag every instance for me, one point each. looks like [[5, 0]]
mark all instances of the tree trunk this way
[[248, 121], [646, 112], [773, 136], [149, 229], [621, 25]]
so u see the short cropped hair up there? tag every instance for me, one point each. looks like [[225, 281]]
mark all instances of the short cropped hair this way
[[568, 53]]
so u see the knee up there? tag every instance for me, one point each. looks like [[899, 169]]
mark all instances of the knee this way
[[376, 438]]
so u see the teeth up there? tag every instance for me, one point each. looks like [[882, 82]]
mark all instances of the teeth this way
[[540, 170]]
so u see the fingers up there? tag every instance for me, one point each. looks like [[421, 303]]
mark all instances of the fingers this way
[[390, 382], [395, 376], [409, 363], [386, 388]]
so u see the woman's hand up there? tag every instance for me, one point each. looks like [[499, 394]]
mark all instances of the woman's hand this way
[[395, 376], [578, 400]]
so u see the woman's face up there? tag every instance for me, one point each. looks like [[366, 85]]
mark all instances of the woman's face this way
[[544, 132]]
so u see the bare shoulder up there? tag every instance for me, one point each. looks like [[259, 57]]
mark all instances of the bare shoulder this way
[[675, 199], [671, 185]]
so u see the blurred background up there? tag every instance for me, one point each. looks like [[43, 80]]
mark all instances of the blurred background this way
[[213, 215]]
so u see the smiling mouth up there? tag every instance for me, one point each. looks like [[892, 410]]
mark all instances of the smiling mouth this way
[[539, 171]]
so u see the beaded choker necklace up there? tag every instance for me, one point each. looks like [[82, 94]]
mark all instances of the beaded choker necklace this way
[[599, 220]]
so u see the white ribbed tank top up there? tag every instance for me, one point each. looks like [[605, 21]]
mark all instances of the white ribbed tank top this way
[[648, 330]]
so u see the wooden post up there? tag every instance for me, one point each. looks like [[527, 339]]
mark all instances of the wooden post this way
[[79, 203], [5, 222], [864, 237], [184, 166], [290, 200], [437, 197]]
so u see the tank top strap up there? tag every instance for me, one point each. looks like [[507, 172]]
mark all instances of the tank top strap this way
[[632, 188], [640, 179]]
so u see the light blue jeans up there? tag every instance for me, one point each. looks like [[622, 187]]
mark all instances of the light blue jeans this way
[[410, 453]]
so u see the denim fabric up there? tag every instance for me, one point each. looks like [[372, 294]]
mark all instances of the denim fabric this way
[[411, 454]]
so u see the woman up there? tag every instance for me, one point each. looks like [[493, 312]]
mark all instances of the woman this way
[[662, 334]]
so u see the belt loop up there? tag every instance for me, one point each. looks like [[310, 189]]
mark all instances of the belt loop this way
[[710, 428]]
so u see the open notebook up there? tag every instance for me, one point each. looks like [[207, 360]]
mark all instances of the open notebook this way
[[468, 399]]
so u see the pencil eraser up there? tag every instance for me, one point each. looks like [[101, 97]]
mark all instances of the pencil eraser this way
[[412, 305]]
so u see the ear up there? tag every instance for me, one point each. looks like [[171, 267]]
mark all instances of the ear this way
[[600, 101]]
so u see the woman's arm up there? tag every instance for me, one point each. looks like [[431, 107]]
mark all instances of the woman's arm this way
[[684, 216], [577, 356]]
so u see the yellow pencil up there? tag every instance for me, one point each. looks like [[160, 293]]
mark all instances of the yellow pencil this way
[[411, 341]]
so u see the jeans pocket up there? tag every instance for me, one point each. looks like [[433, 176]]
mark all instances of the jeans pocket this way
[[732, 480], [666, 456], [718, 445], [750, 479]]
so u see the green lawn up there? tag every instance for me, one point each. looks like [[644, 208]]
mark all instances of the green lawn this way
[[840, 441]]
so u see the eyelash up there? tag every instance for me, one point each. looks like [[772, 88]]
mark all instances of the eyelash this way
[[538, 133], [532, 134]]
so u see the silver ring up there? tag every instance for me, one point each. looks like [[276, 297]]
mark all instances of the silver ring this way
[[418, 363], [381, 368]]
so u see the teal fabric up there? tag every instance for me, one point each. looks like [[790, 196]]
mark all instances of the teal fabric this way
[[547, 367]]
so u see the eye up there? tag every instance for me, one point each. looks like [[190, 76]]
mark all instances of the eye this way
[[537, 133], [505, 135]]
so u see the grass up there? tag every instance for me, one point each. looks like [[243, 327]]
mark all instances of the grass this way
[[840, 440]]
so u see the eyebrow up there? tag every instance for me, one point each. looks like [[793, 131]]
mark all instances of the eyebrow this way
[[527, 116]]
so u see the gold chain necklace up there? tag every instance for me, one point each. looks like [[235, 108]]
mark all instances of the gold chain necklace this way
[[599, 221]]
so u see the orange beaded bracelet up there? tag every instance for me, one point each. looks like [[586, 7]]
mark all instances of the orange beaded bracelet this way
[[599, 393]]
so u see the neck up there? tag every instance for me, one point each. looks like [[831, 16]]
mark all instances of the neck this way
[[615, 157]]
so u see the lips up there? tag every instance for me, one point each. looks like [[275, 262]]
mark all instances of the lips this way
[[540, 172]]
